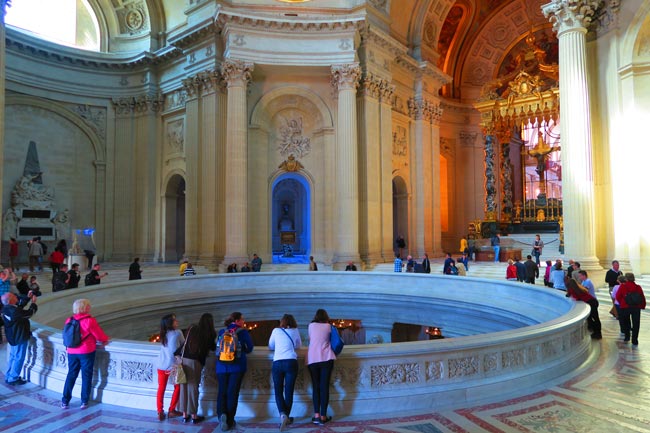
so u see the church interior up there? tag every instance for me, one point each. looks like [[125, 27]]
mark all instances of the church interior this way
[[215, 130]]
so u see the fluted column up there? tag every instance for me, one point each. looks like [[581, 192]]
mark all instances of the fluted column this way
[[386, 170], [237, 75], [345, 79], [3, 5], [570, 20], [436, 248]]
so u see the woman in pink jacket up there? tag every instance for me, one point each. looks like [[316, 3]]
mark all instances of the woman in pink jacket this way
[[82, 357], [320, 361]]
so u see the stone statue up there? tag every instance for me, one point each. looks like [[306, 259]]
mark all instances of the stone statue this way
[[27, 190], [62, 224], [9, 224]]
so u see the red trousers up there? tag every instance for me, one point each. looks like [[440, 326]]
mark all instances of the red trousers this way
[[163, 378]]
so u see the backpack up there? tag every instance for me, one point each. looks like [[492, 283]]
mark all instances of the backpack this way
[[633, 299], [72, 333], [90, 280], [228, 346], [453, 270]]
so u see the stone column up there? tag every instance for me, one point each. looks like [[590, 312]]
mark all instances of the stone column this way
[[370, 169], [3, 5], [570, 20], [345, 79], [192, 144], [436, 116], [386, 183], [421, 138], [237, 75]]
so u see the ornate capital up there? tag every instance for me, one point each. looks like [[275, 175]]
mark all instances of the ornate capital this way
[[236, 72], [376, 87], [569, 15], [416, 108], [346, 77]]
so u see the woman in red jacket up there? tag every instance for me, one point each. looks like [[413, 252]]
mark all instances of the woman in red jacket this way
[[580, 293], [631, 299], [82, 357], [511, 271]]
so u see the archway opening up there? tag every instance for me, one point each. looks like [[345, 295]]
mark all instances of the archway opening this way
[[291, 219], [400, 213], [174, 219]]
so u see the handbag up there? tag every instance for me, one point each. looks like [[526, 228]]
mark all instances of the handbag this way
[[177, 373], [336, 343]]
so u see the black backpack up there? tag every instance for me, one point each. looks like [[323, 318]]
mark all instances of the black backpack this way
[[90, 280], [72, 333]]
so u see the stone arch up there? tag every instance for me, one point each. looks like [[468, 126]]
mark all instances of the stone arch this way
[[636, 41], [173, 214], [260, 114], [301, 207], [400, 208], [65, 113]]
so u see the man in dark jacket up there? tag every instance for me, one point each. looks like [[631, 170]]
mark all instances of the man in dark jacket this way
[[532, 270], [18, 331], [521, 270]]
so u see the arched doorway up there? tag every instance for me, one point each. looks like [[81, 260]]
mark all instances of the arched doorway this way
[[400, 210], [291, 218], [174, 219]]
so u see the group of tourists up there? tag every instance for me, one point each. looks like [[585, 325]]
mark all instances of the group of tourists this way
[[189, 349]]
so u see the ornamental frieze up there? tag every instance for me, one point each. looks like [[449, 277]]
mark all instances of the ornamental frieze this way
[[463, 367], [433, 370], [136, 371], [348, 375], [138, 104], [512, 358], [260, 378], [381, 375], [490, 362]]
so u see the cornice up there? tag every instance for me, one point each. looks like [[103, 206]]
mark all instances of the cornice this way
[[21, 43], [193, 34], [371, 34], [279, 23]]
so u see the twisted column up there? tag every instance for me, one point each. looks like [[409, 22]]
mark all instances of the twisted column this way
[[345, 80], [570, 20]]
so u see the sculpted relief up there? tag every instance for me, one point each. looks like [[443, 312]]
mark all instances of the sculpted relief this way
[[176, 136]]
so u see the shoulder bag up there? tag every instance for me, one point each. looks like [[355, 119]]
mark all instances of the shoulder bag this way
[[335, 340], [177, 372]]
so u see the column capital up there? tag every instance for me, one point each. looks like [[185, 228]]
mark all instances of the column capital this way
[[236, 72], [346, 77], [570, 15]]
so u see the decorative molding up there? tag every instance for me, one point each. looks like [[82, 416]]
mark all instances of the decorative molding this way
[[292, 142], [607, 16], [371, 36], [400, 141], [175, 100], [236, 72], [467, 138], [175, 134], [424, 109], [345, 77], [570, 14], [138, 104], [133, 18], [433, 370], [513, 358], [136, 371], [95, 117], [381, 375], [348, 375], [398, 104], [490, 362], [260, 378], [463, 367], [380, 5], [275, 23], [376, 87]]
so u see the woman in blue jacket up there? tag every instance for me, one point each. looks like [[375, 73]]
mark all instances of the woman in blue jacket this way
[[231, 366]]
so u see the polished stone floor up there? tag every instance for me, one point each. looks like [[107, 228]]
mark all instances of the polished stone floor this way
[[611, 394]]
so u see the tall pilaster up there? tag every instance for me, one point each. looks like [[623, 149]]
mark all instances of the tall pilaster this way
[[237, 75], [570, 20], [386, 170], [436, 248], [345, 79], [3, 5], [421, 136], [192, 145], [370, 168]]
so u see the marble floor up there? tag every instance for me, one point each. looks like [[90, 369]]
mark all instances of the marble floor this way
[[610, 395]]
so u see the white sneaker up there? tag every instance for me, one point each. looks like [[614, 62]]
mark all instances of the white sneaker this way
[[284, 422]]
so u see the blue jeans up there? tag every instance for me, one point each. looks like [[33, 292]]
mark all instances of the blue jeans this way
[[321, 373], [537, 254], [228, 394], [16, 360], [84, 362], [284, 373], [497, 249]]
